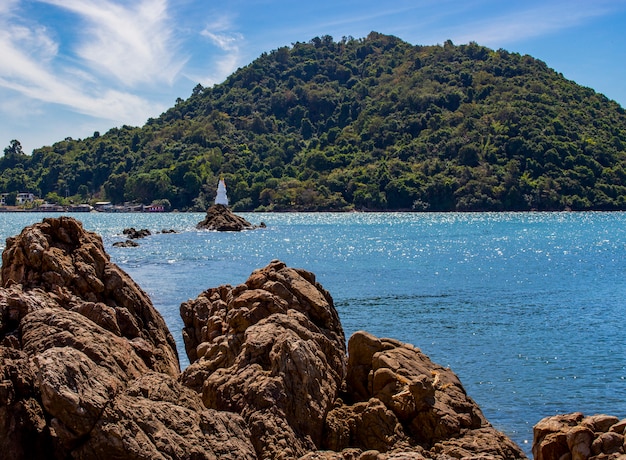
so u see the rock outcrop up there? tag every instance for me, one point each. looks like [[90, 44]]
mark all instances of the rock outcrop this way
[[576, 437], [89, 370], [272, 350], [59, 257], [135, 234], [220, 218], [398, 400]]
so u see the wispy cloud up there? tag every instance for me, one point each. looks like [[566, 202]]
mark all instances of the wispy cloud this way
[[135, 43], [229, 42], [529, 22], [121, 48]]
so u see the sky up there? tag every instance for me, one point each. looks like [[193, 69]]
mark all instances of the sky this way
[[69, 68]]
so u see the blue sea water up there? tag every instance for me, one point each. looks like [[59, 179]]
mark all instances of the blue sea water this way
[[526, 308]]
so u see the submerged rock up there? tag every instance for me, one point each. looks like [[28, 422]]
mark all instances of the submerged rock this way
[[220, 218], [134, 234], [125, 244], [88, 370]]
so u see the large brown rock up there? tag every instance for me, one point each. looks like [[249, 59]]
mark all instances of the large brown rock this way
[[220, 218], [272, 350], [92, 374], [59, 257], [397, 399], [88, 370], [577, 437]]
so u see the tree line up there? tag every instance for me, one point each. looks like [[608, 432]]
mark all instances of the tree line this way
[[373, 123]]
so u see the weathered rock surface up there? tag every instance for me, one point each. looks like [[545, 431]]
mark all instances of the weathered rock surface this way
[[576, 437], [397, 398], [220, 218], [88, 369], [272, 350], [59, 257]]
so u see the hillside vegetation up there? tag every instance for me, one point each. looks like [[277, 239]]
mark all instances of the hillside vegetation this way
[[373, 123]]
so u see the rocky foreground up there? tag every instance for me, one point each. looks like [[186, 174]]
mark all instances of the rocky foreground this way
[[89, 370]]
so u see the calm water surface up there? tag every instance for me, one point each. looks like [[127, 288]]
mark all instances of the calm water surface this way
[[527, 308]]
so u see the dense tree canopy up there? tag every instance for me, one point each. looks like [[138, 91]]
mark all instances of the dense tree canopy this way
[[372, 123]]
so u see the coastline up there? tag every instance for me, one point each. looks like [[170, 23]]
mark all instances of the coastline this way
[[443, 281]]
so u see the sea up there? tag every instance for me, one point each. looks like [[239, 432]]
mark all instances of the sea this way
[[528, 309]]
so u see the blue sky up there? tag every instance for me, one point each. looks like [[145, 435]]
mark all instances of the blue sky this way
[[72, 67]]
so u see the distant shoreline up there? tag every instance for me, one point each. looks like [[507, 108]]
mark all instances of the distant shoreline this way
[[16, 209]]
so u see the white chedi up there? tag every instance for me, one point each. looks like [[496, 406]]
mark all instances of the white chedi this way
[[221, 197]]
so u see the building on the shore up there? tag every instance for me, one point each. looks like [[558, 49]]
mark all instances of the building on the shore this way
[[80, 208], [24, 197], [49, 207], [154, 208], [20, 199], [103, 206]]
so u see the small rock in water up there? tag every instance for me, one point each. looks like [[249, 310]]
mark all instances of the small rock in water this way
[[220, 218], [125, 244], [135, 234]]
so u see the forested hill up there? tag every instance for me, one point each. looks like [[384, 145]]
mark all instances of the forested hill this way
[[373, 123]]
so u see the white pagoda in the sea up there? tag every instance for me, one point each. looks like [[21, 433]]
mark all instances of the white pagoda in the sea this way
[[221, 197]]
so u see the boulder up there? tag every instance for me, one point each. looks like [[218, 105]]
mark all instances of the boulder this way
[[92, 374], [59, 257], [272, 350], [578, 437], [220, 218], [398, 400]]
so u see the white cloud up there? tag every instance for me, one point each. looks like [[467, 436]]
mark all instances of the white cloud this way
[[29, 76], [229, 43], [134, 43]]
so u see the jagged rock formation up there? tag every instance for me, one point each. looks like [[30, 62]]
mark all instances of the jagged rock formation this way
[[89, 370], [272, 350], [222, 219], [397, 399], [576, 437], [59, 257]]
